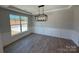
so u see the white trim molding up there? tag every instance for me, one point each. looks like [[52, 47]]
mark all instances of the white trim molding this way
[[75, 37], [60, 9], [62, 33]]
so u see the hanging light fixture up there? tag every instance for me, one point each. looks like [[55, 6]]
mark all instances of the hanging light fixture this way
[[41, 16]]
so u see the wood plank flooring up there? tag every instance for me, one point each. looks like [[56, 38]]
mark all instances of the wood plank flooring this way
[[36, 43]]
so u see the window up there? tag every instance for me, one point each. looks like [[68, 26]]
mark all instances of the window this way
[[18, 24], [24, 23]]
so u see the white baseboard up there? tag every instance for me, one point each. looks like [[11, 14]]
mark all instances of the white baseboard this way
[[62, 33]]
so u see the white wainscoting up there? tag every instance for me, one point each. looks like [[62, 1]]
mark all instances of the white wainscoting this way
[[75, 37], [62, 33]]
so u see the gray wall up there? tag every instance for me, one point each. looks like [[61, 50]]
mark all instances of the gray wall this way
[[59, 19], [76, 18], [5, 27]]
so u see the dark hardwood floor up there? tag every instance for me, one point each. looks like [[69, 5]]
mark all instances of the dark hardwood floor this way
[[36, 43]]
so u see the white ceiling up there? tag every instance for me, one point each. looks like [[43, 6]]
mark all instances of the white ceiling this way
[[34, 8]]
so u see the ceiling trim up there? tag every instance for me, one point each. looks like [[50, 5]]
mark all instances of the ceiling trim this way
[[59, 9]]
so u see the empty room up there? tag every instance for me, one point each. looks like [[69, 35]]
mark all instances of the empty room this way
[[39, 28]]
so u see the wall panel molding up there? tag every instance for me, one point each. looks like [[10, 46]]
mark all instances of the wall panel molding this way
[[56, 32]]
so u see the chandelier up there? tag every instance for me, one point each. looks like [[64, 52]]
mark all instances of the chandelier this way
[[41, 16]]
